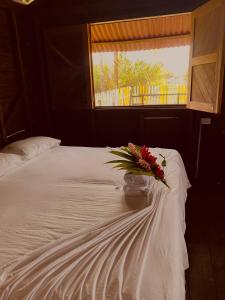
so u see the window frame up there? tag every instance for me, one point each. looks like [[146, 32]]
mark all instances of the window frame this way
[[153, 106]]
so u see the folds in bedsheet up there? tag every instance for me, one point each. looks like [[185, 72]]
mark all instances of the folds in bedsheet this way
[[113, 261]]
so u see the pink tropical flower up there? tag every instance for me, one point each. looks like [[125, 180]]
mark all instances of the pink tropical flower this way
[[144, 164], [133, 150]]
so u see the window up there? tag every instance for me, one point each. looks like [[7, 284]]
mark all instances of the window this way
[[141, 62], [145, 77], [174, 59]]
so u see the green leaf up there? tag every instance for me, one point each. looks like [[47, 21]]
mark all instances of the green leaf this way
[[164, 163], [138, 149], [118, 161], [125, 165], [126, 149], [141, 172], [122, 154]]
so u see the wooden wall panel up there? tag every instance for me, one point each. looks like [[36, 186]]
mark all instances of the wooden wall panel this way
[[67, 60], [212, 150], [117, 127], [11, 90], [206, 37], [163, 132], [207, 57], [203, 83], [74, 127], [36, 103], [8, 85]]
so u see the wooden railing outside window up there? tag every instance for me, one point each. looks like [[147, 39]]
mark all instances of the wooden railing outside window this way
[[143, 95]]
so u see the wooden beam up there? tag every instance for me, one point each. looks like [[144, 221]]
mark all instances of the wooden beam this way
[[136, 41], [22, 74]]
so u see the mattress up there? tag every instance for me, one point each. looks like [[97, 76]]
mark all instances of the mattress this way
[[69, 190]]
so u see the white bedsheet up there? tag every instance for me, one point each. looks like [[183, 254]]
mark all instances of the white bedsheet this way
[[70, 189]]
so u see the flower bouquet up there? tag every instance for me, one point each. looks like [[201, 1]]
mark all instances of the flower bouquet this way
[[139, 161]]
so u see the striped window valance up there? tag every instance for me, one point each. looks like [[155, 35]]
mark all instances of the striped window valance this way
[[142, 34]]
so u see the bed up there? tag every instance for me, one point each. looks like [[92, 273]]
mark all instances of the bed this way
[[67, 231]]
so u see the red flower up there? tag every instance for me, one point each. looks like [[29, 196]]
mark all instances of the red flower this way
[[152, 159], [146, 155], [144, 152], [159, 173]]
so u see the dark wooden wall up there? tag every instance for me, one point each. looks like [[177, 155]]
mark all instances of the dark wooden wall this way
[[21, 102], [37, 107], [12, 99]]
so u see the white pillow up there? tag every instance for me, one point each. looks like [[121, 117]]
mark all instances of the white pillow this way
[[8, 162], [31, 147]]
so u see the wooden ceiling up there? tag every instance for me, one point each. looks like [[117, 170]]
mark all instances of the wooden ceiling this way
[[142, 34]]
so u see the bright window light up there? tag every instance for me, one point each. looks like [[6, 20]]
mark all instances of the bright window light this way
[[148, 77]]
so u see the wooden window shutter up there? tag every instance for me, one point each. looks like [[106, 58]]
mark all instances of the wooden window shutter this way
[[68, 66], [206, 66]]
